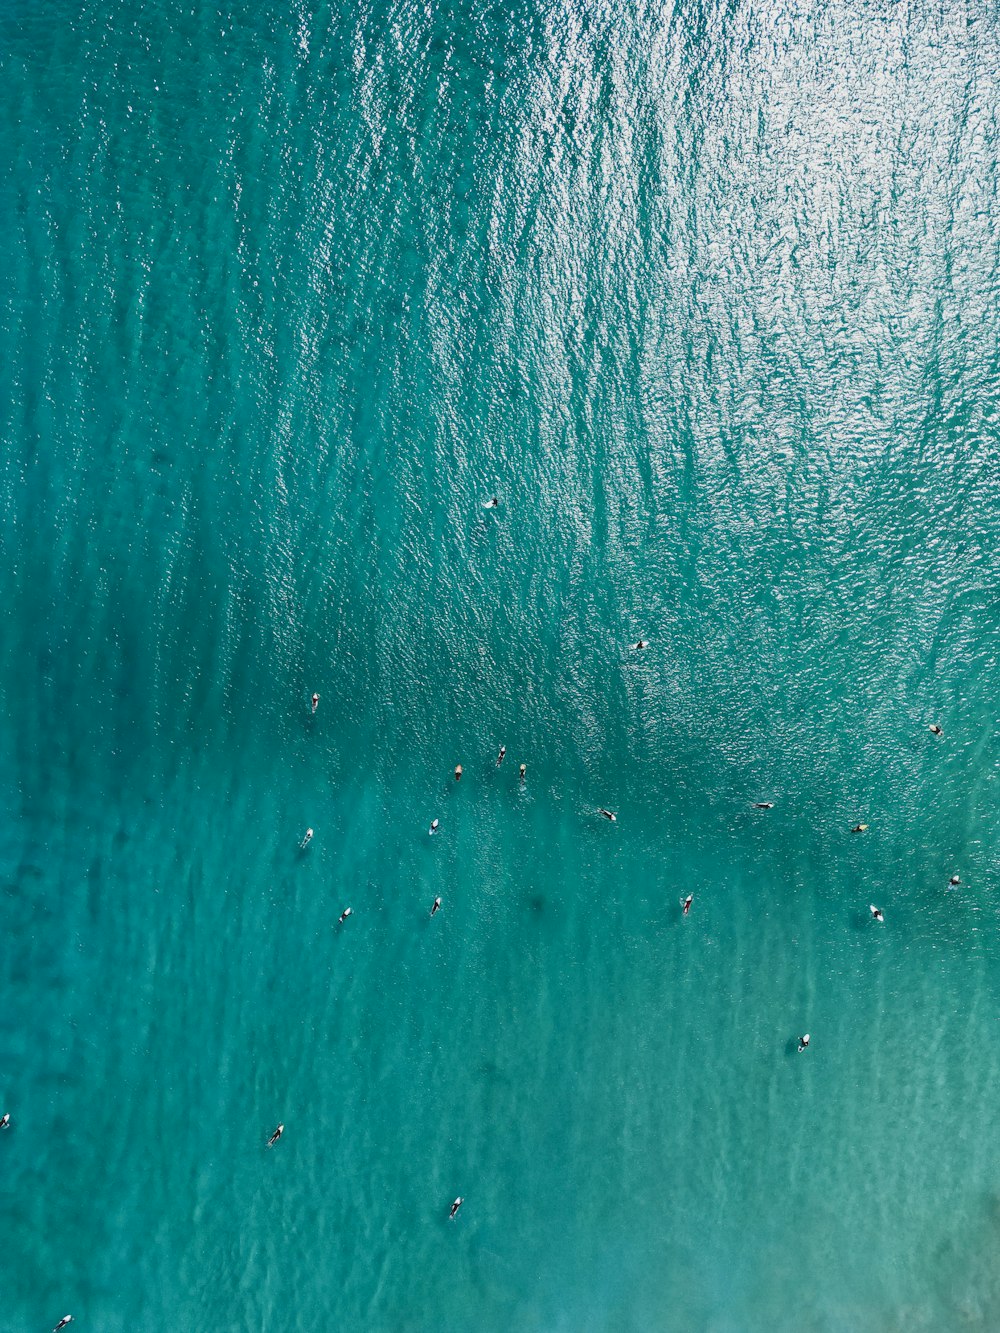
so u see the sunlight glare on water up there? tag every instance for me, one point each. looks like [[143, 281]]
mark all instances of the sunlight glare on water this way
[[707, 296]]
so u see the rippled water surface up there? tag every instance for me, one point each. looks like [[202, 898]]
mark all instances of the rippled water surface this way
[[709, 297]]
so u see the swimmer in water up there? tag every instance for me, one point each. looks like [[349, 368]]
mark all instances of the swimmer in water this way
[[307, 839], [686, 905], [762, 805], [437, 906], [5, 1122], [66, 1319], [344, 915], [803, 1042], [936, 729], [522, 771], [954, 880], [500, 756], [608, 814], [455, 1207], [876, 912], [860, 828], [434, 826], [276, 1136], [315, 702], [458, 772]]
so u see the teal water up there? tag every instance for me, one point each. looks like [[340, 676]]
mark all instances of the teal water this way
[[709, 295]]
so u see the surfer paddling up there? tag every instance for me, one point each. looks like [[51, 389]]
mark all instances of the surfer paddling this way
[[436, 907], [607, 814], [502, 755], [640, 644], [5, 1122], [455, 1207], [803, 1042], [344, 915], [315, 702], [686, 904], [492, 503], [877, 914], [276, 1136], [306, 839], [762, 805], [66, 1319], [458, 772], [522, 771], [954, 880], [860, 828], [434, 826], [935, 729]]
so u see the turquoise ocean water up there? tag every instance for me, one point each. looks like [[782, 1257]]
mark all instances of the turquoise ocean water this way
[[709, 296]]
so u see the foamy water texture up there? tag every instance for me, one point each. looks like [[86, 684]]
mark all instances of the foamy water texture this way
[[708, 297]]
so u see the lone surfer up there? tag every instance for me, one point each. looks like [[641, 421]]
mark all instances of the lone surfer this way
[[492, 503], [954, 880], [458, 772], [434, 826], [936, 729], [501, 755], [455, 1207], [762, 805], [608, 814], [803, 1042], [876, 912], [315, 702], [344, 915], [860, 828], [307, 839], [522, 771], [66, 1319], [640, 645], [5, 1122], [436, 907], [686, 905], [276, 1136]]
